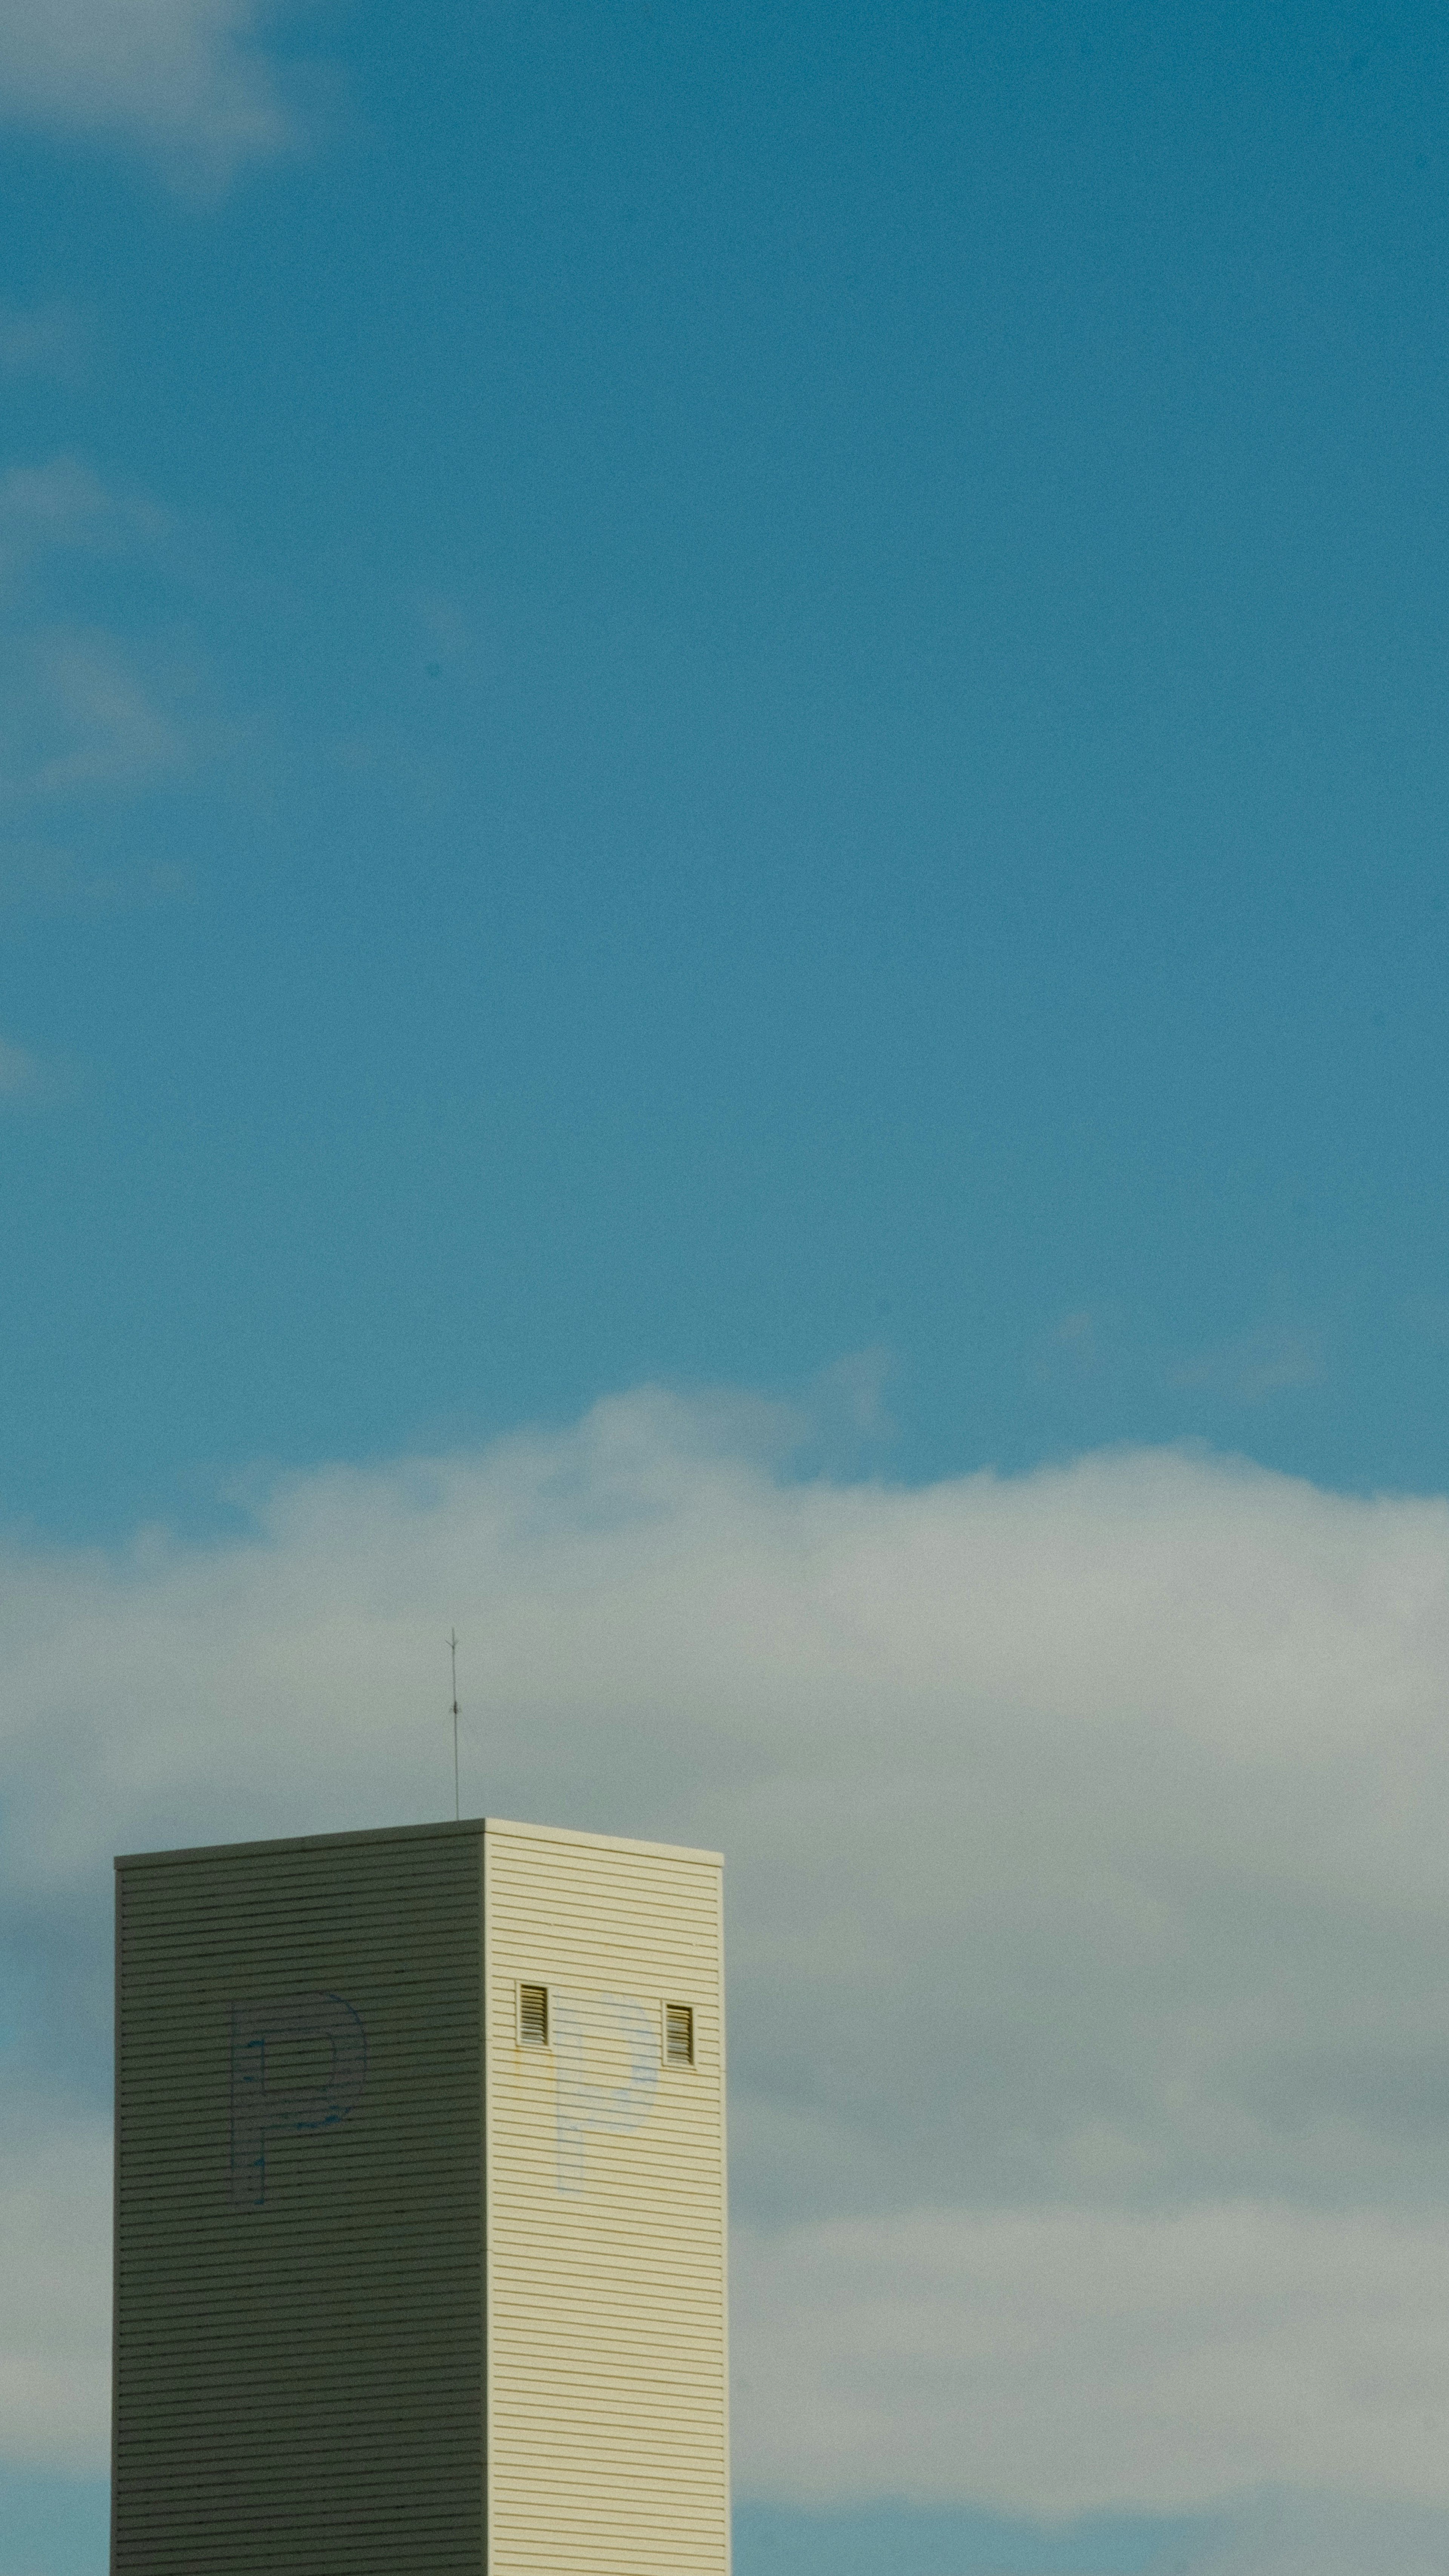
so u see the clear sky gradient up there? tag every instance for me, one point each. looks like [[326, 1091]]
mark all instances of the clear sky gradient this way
[[739, 698], [703, 689]]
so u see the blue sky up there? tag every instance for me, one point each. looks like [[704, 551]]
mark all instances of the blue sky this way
[[698, 690], [751, 701]]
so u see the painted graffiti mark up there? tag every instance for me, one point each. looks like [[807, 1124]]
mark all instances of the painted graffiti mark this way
[[259, 2110], [584, 2029]]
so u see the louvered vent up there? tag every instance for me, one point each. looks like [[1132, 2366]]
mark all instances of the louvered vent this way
[[533, 2016], [679, 2034]]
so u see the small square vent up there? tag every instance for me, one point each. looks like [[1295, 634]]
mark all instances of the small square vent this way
[[533, 2016], [679, 2034]]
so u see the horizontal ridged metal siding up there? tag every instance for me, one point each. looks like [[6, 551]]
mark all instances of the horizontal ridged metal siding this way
[[608, 2438], [300, 2384]]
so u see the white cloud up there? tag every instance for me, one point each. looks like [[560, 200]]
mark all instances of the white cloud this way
[[186, 80], [1070, 2358], [55, 2263], [1089, 1959]]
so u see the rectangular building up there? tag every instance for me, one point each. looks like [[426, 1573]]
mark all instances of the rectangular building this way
[[420, 2211]]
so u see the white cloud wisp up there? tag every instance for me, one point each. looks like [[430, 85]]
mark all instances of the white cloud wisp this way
[[82, 709], [186, 81]]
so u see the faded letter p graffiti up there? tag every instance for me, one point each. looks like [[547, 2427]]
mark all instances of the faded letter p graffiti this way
[[259, 2111], [582, 2026]]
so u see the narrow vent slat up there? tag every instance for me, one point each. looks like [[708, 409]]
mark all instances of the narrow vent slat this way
[[679, 2034], [533, 2016]]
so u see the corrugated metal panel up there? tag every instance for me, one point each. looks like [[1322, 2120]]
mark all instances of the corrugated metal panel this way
[[299, 2307], [608, 2441]]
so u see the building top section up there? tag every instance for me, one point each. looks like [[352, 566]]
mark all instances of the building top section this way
[[476, 1826]]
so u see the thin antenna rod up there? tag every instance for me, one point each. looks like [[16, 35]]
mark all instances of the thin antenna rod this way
[[453, 1651]]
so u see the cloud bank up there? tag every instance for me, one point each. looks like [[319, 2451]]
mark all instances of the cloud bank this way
[[1079, 2357], [1090, 2015], [55, 2276]]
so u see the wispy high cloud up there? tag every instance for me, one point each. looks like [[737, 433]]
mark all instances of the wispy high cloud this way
[[1270, 1360], [82, 716], [1088, 1952], [115, 733], [29, 1082], [82, 707], [41, 877], [187, 81], [64, 504], [49, 340], [19, 1072]]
